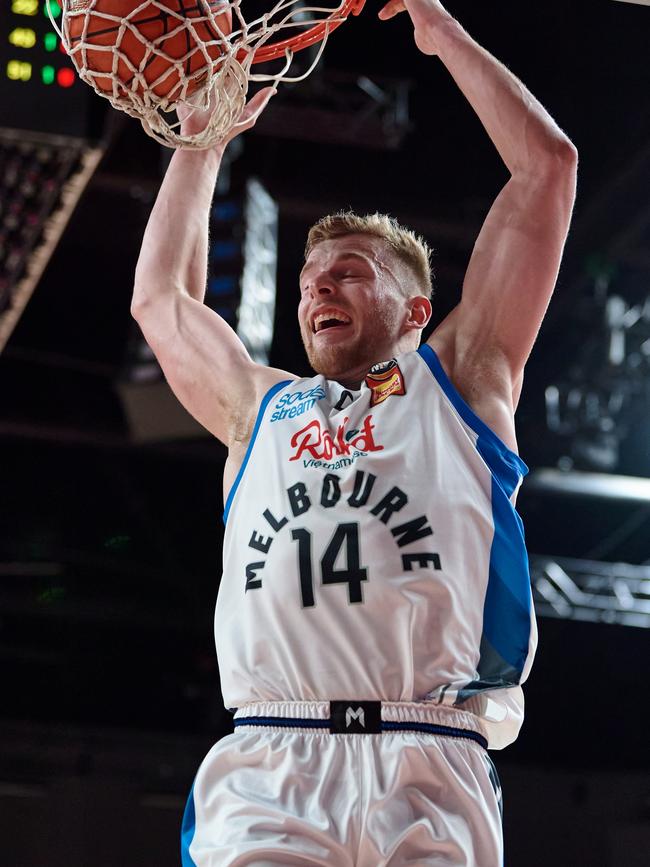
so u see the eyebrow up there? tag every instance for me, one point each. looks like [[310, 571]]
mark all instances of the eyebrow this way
[[342, 256]]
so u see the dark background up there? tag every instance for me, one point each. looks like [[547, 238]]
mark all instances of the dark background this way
[[110, 548]]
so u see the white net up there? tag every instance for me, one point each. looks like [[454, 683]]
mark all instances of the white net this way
[[147, 57]]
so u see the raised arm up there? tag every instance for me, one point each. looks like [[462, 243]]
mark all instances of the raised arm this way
[[203, 360], [516, 259]]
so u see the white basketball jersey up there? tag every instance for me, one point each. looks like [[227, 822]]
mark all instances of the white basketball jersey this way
[[372, 551]]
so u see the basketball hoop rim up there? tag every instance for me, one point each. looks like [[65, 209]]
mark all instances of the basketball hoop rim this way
[[310, 37]]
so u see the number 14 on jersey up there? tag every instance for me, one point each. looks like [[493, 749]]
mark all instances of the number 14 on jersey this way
[[345, 538]]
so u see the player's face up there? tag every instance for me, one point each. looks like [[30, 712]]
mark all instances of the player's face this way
[[351, 307]]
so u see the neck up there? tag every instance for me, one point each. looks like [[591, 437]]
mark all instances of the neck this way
[[353, 378]]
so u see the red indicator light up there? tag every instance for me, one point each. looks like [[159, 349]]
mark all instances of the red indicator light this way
[[65, 77], [62, 48]]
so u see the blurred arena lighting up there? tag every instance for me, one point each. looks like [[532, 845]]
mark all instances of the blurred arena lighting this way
[[39, 88], [637, 2], [604, 396], [602, 485], [593, 591], [258, 283]]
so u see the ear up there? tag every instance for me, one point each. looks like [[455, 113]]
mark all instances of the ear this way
[[419, 312]]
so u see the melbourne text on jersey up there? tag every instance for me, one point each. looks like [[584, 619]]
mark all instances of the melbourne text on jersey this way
[[385, 506]]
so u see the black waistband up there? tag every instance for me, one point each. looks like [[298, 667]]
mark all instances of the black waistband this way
[[360, 717]]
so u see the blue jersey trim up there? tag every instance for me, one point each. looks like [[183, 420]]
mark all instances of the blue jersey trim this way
[[187, 831], [258, 421], [505, 464], [507, 607]]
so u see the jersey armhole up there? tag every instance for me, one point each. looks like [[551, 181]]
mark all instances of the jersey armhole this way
[[506, 466], [258, 421]]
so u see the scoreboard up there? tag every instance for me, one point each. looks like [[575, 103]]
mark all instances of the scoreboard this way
[[39, 87]]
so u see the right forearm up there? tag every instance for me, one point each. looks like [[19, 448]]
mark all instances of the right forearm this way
[[174, 250]]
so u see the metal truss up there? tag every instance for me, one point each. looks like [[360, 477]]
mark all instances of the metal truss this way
[[591, 590], [341, 108]]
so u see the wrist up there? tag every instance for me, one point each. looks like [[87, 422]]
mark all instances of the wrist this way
[[434, 26], [443, 30], [204, 160]]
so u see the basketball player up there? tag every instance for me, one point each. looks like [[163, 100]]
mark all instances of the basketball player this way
[[374, 620]]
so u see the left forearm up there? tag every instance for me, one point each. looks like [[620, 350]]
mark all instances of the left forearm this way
[[526, 136]]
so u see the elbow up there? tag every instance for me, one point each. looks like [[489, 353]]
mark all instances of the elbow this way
[[138, 298], [158, 316], [559, 157], [153, 295], [143, 298], [137, 306], [568, 155]]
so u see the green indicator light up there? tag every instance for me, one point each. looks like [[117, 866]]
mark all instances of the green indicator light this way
[[51, 40], [55, 9], [50, 595], [47, 74]]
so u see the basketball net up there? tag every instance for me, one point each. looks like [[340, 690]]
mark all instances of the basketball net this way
[[224, 82]]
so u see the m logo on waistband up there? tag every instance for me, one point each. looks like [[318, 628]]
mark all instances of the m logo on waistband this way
[[357, 714], [355, 717]]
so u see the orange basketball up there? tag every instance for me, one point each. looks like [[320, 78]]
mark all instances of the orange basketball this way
[[173, 47]]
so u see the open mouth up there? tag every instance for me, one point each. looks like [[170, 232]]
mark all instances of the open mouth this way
[[330, 321]]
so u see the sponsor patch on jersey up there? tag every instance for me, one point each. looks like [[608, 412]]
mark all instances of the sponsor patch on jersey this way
[[320, 444], [384, 381], [294, 403]]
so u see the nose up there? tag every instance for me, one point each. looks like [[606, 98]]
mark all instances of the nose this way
[[324, 284]]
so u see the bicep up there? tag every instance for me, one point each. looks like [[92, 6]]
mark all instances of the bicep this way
[[514, 268], [205, 363]]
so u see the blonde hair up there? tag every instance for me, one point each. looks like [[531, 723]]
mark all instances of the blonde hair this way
[[411, 249]]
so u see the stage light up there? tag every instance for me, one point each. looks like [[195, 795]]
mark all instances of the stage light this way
[[221, 250], [226, 211], [24, 7], [22, 37], [224, 285], [19, 70], [65, 77]]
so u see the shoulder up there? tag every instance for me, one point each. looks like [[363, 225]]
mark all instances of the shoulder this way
[[482, 380]]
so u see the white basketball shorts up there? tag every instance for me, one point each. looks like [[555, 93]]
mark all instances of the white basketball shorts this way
[[346, 784]]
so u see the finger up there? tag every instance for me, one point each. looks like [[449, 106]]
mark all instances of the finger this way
[[256, 105], [253, 108], [263, 97], [391, 9]]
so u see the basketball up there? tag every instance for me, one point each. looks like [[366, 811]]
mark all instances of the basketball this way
[[149, 47]]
